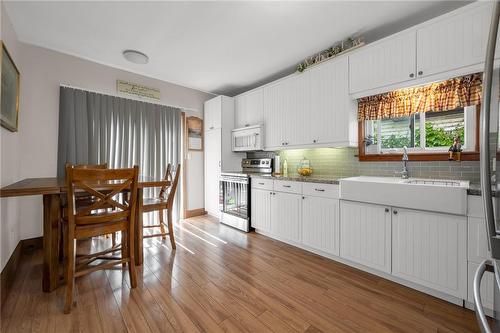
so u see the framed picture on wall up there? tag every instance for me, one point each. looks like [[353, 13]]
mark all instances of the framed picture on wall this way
[[194, 133], [9, 96]]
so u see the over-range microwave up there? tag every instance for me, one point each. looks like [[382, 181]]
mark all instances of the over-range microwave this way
[[248, 138]]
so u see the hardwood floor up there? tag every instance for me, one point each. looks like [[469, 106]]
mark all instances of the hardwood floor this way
[[222, 280]]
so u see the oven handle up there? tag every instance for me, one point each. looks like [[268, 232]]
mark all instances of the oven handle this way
[[480, 315]]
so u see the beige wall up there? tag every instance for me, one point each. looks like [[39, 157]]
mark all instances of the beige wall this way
[[32, 152]]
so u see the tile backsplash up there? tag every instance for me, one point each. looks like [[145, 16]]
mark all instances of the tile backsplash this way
[[343, 162]]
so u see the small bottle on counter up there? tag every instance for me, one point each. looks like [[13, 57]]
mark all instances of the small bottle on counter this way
[[285, 168]]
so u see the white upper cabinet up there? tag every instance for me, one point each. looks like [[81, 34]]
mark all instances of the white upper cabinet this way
[[327, 97], [311, 109], [453, 42], [386, 62], [249, 108], [213, 113]]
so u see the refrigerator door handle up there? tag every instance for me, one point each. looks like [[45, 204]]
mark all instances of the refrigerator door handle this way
[[478, 304], [485, 127]]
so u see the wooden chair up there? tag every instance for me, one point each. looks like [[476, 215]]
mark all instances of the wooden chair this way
[[164, 201], [105, 185]]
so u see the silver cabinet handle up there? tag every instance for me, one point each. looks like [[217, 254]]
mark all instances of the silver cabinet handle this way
[[484, 144], [319, 190], [395, 212], [287, 186], [412, 75], [420, 72], [387, 210], [261, 183], [478, 304]]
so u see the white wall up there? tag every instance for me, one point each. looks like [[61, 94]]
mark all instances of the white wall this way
[[32, 151]]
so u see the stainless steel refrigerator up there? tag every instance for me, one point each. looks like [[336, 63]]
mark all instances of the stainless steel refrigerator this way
[[490, 180]]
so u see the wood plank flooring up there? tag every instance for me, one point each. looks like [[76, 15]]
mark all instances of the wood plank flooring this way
[[222, 280]]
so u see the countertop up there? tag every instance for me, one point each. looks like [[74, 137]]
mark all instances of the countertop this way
[[474, 188], [297, 178]]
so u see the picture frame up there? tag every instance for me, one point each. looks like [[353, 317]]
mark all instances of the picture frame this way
[[9, 96], [194, 133]]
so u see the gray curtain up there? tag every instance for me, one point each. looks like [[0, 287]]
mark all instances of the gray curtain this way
[[96, 128]]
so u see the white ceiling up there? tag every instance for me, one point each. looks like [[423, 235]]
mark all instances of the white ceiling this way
[[220, 47]]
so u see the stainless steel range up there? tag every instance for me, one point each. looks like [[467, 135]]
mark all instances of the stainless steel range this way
[[234, 192]]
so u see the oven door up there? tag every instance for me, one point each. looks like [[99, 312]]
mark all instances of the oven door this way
[[233, 197]]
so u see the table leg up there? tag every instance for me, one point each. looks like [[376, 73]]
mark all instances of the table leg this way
[[138, 229], [51, 234]]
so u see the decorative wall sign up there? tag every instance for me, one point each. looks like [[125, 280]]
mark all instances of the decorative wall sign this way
[[346, 45], [137, 89], [195, 133], [9, 99]]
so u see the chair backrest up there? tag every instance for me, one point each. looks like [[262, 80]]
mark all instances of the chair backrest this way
[[168, 176], [173, 187], [89, 166], [105, 185]]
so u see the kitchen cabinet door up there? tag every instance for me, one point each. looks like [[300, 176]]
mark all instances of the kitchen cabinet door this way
[[389, 61], [430, 249], [274, 111], [213, 113], [249, 108], [260, 215], [320, 224], [212, 170], [365, 234], [328, 99], [454, 42], [286, 212]]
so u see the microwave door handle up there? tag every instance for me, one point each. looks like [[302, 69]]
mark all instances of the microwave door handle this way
[[485, 130]]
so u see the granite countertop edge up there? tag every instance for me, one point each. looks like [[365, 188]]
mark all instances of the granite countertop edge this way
[[308, 179]]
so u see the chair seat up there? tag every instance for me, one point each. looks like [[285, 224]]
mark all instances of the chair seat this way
[[151, 204]]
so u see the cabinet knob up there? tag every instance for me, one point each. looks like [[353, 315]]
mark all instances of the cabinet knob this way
[[314, 141], [420, 72], [303, 198], [395, 212], [412, 75], [387, 210]]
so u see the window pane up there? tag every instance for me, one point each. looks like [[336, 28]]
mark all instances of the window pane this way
[[442, 127], [397, 132]]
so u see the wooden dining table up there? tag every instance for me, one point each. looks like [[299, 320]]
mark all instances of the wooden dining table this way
[[52, 189]]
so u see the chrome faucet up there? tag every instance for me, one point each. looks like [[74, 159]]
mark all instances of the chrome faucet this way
[[404, 173]]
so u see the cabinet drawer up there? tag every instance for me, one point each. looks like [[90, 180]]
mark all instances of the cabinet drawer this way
[[321, 190], [265, 184], [288, 186]]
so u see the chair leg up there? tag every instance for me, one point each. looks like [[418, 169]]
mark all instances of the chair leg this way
[[171, 228], [131, 264], [124, 243], [162, 224], [70, 273]]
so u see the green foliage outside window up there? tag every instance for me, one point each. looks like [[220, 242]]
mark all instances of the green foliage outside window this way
[[435, 137]]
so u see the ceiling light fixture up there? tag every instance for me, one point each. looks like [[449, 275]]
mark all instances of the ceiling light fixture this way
[[136, 57]]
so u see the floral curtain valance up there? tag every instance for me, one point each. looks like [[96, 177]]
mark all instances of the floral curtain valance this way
[[440, 96]]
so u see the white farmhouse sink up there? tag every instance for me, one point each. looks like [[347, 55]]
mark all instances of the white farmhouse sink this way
[[447, 196]]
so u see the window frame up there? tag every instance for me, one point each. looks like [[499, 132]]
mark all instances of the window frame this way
[[418, 154]]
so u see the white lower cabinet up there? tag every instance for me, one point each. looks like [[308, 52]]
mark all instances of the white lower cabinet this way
[[365, 234], [261, 209], [430, 249], [286, 212], [320, 224]]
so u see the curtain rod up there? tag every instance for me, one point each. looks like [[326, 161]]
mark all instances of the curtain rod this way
[[128, 97]]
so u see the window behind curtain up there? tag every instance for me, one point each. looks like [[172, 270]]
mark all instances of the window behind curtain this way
[[96, 128]]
